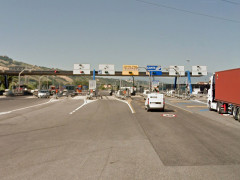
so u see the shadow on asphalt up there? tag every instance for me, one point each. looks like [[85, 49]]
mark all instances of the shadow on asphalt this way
[[165, 110]]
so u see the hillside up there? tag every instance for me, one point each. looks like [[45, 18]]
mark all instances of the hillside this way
[[6, 63]]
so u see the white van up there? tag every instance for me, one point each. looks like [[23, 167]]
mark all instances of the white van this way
[[155, 101]]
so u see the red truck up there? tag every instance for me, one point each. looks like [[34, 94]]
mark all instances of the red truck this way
[[224, 92]]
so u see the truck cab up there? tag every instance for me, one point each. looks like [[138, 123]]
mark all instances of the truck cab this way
[[212, 104]]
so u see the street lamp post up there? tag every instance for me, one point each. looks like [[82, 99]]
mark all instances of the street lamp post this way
[[19, 78], [149, 74], [47, 82], [178, 76], [39, 82]]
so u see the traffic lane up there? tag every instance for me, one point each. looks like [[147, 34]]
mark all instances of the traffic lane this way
[[189, 139], [23, 136], [202, 109], [102, 140], [21, 120], [112, 128], [107, 119], [104, 92], [16, 102]]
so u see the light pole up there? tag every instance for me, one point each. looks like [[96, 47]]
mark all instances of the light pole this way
[[19, 77], [39, 82], [178, 76], [188, 62], [47, 83], [188, 83], [149, 74], [120, 83]]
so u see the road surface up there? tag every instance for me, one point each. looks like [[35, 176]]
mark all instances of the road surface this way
[[74, 138]]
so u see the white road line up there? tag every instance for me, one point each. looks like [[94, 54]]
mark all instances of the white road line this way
[[129, 105], [199, 101], [79, 97], [179, 107], [85, 103], [8, 112]]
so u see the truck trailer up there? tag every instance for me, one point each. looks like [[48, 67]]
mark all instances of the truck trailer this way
[[224, 92]]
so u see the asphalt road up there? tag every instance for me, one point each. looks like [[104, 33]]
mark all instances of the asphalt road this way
[[73, 138]]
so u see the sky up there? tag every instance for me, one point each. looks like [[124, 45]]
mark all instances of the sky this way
[[59, 33]]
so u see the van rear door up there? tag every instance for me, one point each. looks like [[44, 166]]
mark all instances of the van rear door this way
[[156, 99]]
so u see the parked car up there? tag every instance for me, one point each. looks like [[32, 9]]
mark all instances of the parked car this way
[[43, 94], [155, 101], [8, 92]]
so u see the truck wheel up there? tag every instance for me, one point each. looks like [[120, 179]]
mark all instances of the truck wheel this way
[[234, 113], [219, 110], [162, 109], [238, 115]]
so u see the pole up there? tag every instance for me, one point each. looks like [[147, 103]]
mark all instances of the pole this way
[[133, 85], [189, 82], [175, 83], [93, 74], [6, 81], [149, 75], [39, 82], [19, 76], [120, 83], [47, 82], [133, 80], [149, 81]]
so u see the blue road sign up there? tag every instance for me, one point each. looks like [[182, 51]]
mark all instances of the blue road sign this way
[[155, 73], [154, 70]]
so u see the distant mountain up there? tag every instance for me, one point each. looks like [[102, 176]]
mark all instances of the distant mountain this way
[[6, 63]]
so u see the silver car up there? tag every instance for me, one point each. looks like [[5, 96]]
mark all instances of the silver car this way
[[43, 94]]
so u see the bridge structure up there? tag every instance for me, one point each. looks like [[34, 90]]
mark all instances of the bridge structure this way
[[70, 73], [94, 73]]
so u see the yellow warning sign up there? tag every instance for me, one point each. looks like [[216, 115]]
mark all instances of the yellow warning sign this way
[[130, 70]]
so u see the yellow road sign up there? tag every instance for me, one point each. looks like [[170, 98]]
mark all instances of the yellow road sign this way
[[130, 70]]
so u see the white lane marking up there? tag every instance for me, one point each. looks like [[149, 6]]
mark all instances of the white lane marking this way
[[129, 105], [199, 101], [85, 103], [31, 97], [179, 107], [79, 97], [2, 113], [8, 112]]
